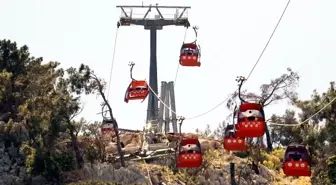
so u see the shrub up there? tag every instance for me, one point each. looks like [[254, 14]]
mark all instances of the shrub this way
[[303, 181], [274, 159], [91, 153], [30, 154], [65, 161], [332, 169]]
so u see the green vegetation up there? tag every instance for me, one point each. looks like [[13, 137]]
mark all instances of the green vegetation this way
[[43, 99]]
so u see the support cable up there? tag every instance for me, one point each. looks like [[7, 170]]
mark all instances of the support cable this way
[[250, 73], [269, 40], [199, 115], [293, 125], [113, 56], [178, 65], [157, 96], [256, 63]]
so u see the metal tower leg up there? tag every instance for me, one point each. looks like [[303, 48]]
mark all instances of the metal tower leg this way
[[173, 106], [162, 107], [152, 109], [166, 110]]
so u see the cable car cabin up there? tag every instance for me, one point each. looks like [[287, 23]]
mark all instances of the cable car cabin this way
[[107, 127], [251, 120], [137, 90], [233, 143], [190, 154], [190, 55], [297, 161]]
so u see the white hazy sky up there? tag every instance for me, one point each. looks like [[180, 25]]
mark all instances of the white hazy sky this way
[[232, 35]]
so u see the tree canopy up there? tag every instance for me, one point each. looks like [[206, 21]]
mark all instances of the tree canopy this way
[[43, 99]]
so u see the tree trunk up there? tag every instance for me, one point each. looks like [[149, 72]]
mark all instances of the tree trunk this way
[[121, 154], [232, 174], [116, 131], [79, 156], [115, 123], [268, 140], [249, 141]]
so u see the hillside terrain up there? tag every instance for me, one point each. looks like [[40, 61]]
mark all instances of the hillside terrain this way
[[215, 168], [42, 142]]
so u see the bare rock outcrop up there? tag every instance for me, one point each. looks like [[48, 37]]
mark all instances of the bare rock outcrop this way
[[12, 167], [108, 173]]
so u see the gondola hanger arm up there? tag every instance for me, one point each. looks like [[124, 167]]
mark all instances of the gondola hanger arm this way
[[234, 114], [180, 121], [104, 112], [131, 64], [195, 28], [240, 80]]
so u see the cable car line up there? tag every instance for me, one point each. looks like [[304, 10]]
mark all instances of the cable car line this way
[[137, 89], [190, 53], [178, 65], [256, 63], [113, 57], [157, 96], [199, 115], [293, 125], [269, 40], [250, 117], [250, 73]]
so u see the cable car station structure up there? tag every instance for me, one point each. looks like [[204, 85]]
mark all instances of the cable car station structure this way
[[153, 25]]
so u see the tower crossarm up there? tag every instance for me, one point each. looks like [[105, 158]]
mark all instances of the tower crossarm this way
[[160, 20]]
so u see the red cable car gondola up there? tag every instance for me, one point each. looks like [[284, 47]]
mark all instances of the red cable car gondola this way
[[190, 154], [137, 89], [251, 120], [190, 53], [107, 127], [251, 116], [297, 161], [233, 143]]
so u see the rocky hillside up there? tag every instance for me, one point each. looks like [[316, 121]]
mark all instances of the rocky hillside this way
[[214, 170]]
